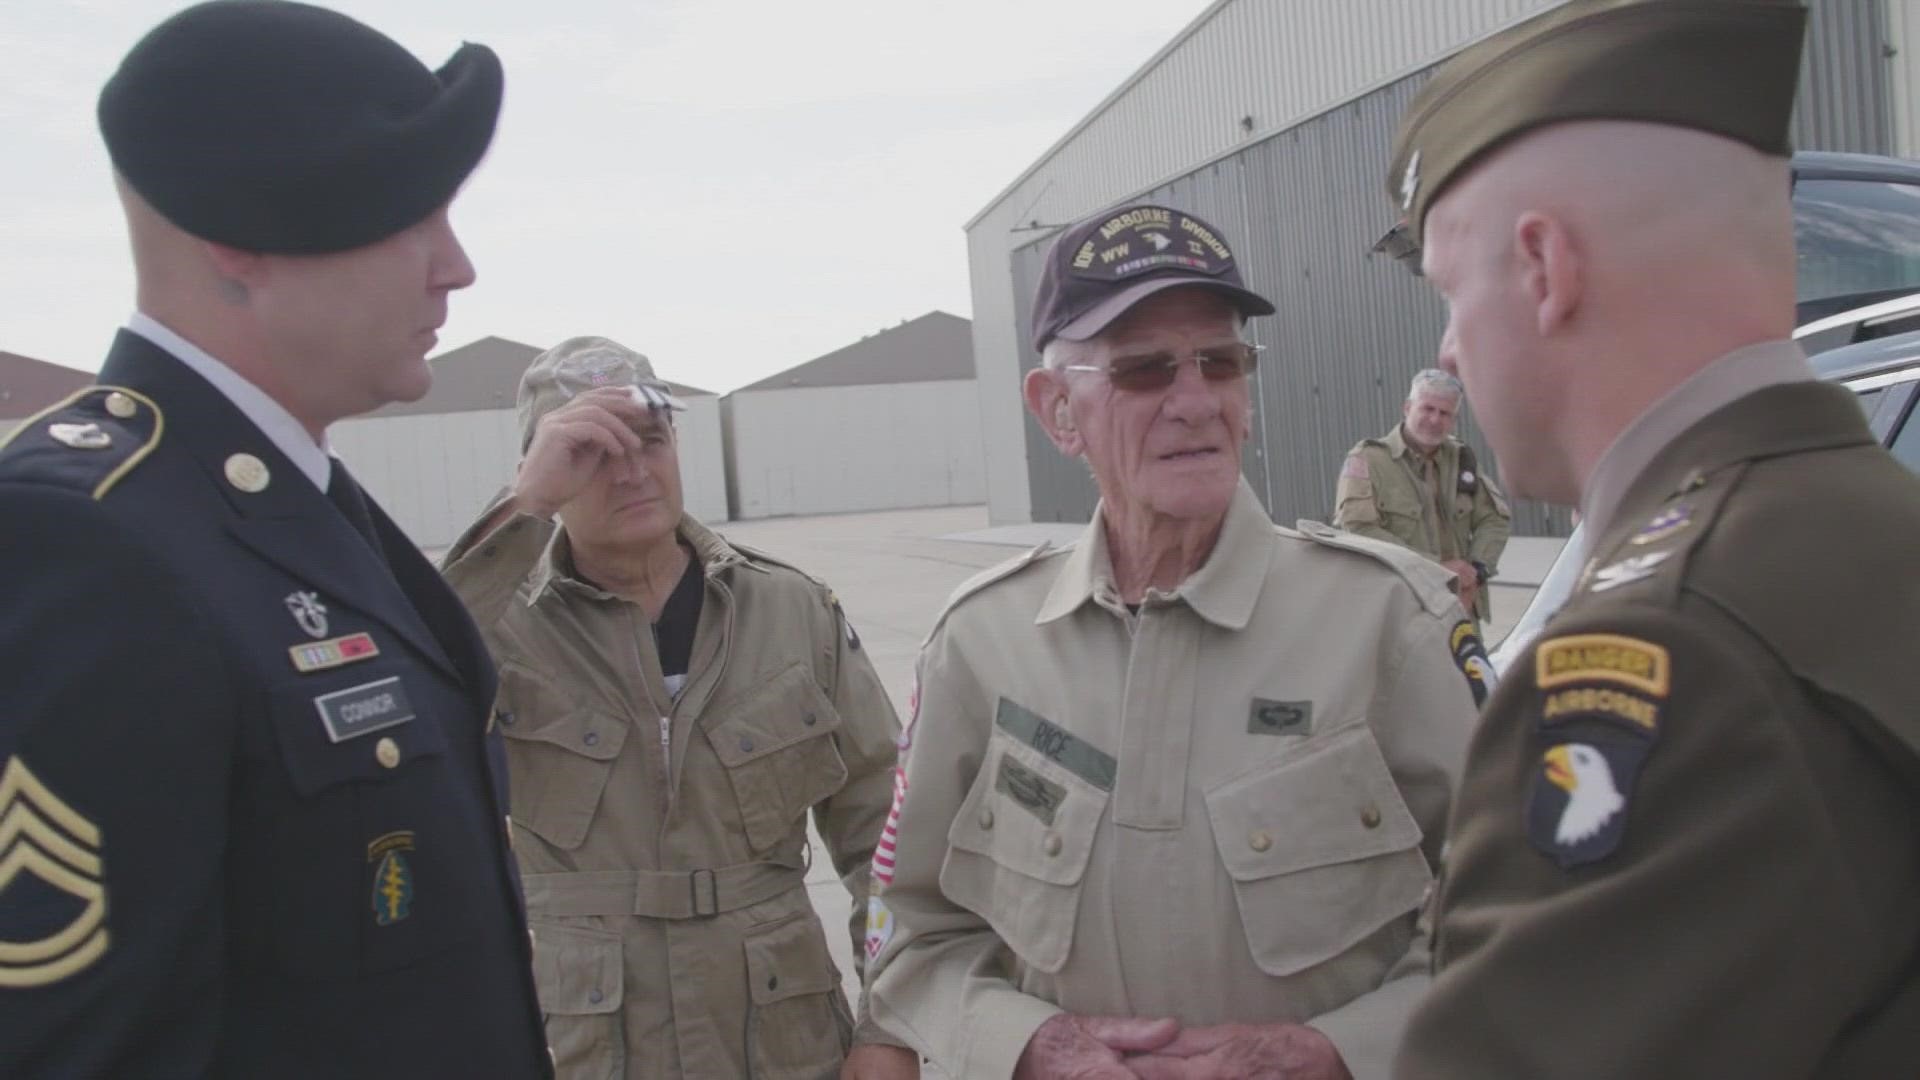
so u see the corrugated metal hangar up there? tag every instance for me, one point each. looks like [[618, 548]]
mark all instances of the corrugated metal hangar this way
[[889, 422], [28, 386], [435, 463], [1273, 119]]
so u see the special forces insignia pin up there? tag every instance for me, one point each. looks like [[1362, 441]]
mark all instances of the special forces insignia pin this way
[[309, 612], [392, 877]]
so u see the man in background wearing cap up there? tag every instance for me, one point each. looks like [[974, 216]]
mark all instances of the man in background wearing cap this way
[[254, 807], [1172, 797], [1420, 487], [674, 706], [1686, 840]]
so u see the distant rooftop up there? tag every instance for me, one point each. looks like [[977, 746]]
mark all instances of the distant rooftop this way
[[932, 348], [28, 385], [482, 376]]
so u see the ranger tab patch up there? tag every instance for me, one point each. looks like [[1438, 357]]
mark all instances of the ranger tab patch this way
[[1614, 658]]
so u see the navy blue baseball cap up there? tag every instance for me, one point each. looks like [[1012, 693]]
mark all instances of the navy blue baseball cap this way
[[1101, 267]]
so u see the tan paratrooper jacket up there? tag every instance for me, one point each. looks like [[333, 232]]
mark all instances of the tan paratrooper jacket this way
[[1224, 808], [1447, 510], [663, 843]]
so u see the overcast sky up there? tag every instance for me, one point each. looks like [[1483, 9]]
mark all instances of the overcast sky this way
[[730, 186]]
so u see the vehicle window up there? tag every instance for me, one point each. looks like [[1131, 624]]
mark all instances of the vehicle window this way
[[1870, 400], [1906, 445], [1856, 236]]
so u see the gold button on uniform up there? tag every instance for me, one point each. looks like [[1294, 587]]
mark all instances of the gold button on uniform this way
[[986, 819], [387, 752], [248, 473], [1370, 817], [1259, 841], [1051, 845], [120, 405]]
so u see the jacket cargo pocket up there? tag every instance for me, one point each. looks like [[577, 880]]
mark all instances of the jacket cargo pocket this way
[[1018, 848], [776, 742], [560, 752], [1322, 852], [577, 971], [798, 1025]]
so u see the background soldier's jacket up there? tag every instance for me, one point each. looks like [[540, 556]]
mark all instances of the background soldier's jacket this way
[[649, 963], [1244, 792], [1751, 910], [148, 685], [1387, 504]]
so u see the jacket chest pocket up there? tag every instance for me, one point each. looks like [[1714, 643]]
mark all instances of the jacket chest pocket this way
[[560, 752], [1019, 847], [776, 744], [1322, 852], [372, 864]]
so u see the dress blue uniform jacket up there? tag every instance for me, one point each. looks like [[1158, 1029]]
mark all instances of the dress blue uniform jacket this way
[[252, 805]]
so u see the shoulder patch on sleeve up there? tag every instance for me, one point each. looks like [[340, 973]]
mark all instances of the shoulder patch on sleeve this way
[[997, 572], [1355, 467], [1429, 580], [88, 442]]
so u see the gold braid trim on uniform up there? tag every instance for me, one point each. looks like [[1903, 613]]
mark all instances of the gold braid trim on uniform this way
[[120, 471]]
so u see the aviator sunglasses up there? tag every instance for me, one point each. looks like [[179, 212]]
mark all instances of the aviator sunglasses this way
[[1156, 371]]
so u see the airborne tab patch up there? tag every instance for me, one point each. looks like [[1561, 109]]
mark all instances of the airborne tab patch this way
[[1615, 658]]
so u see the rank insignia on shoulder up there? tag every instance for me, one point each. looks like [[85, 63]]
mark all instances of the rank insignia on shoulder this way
[[53, 893], [1470, 656], [1627, 571], [392, 877], [1664, 524]]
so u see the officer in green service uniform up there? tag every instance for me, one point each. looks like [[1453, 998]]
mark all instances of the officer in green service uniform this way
[[1686, 841], [1421, 488]]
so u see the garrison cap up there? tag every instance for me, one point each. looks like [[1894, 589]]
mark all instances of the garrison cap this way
[[1104, 265], [580, 364], [274, 126], [1728, 67]]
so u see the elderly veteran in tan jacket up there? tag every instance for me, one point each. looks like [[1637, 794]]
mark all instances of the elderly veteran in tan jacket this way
[[1172, 798], [673, 707]]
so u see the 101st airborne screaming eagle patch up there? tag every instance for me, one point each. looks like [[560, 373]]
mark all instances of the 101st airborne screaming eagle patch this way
[[1597, 719], [53, 893]]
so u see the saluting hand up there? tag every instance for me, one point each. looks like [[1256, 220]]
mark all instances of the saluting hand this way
[[1245, 1052], [571, 442], [1069, 1047]]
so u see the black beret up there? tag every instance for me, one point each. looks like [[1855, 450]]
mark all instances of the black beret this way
[[274, 126], [1100, 268]]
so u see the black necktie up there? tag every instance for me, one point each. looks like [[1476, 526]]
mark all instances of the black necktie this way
[[345, 495]]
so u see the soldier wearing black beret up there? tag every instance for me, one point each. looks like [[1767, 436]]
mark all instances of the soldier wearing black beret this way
[[1686, 841], [252, 798]]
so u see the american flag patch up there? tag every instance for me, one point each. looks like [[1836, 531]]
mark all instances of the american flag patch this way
[[1355, 467], [884, 853], [332, 653]]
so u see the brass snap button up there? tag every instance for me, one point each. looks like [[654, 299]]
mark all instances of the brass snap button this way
[[1051, 845], [1370, 817], [1259, 840], [387, 752], [986, 819]]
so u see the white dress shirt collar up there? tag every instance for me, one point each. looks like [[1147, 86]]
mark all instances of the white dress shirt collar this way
[[273, 420]]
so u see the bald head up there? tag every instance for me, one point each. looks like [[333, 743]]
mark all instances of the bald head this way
[[1590, 267], [1696, 223]]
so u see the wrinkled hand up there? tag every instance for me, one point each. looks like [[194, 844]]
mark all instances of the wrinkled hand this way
[[1244, 1052], [878, 1061], [571, 442], [1468, 588], [1069, 1047]]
